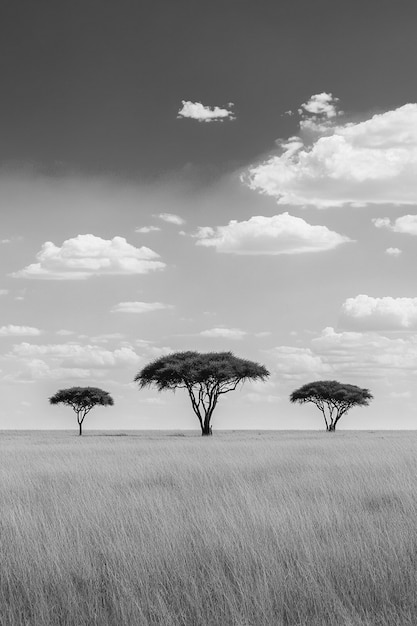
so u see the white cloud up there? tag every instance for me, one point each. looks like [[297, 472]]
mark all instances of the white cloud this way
[[320, 104], [139, 307], [318, 113], [75, 361], [85, 256], [279, 234], [406, 224], [368, 354], [19, 331], [374, 161], [224, 333], [386, 313], [147, 229], [201, 113], [356, 357], [37, 369], [393, 252], [4, 292], [65, 333], [154, 352], [171, 218], [77, 356], [293, 363]]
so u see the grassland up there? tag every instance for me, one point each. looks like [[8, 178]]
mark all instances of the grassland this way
[[238, 529]]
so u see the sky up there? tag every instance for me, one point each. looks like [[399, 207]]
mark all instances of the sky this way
[[225, 176]]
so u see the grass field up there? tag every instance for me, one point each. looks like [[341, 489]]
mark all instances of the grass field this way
[[263, 529]]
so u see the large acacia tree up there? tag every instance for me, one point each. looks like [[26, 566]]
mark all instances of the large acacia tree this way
[[205, 376], [82, 400], [332, 398]]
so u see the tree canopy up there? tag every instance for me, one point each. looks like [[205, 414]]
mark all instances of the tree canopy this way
[[82, 400], [332, 398], [206, 376]]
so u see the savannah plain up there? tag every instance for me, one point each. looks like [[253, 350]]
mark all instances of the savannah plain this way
[[240, 529]]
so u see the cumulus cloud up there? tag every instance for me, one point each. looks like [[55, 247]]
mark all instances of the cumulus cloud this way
[[19, 331], [374, 161], [406, 224], [279, 234], [224, 333], [367, 354], [386, 313], [318, 113], [355, 357], [320, 104], [74, 355], [201, 113], [171, 218], [38, 369], [393, 252], [139, 307], [147, 229], [292, 362], [85, 256]]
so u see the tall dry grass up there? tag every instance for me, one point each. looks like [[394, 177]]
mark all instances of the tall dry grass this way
[[238, 529]]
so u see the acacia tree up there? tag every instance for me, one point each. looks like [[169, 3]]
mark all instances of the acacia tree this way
[[332, 398], [205, 376], [82, 400]]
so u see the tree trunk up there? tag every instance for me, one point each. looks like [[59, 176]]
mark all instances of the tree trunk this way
[[80, 424], [206, 429], [331, 428]]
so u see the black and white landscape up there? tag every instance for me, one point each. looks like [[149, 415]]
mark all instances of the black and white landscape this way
[[208, 227]]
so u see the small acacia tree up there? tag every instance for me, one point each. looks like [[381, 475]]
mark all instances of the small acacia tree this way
[[205, 376], [332, 398], [82, 400]]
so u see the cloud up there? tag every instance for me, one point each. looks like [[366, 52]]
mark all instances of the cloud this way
[[37, 369], [357, 357], [406, 224], [279, 234], [74, 355], [370, 162], [318, 113], [171, 218], [393, 252], [147, 229], [85, 256], [139, 307], [75, 361], [292, 362], [201, 113], [19, 331], [387, 313], [4, 292], [320, 104], [224, 333], [368, 354]]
